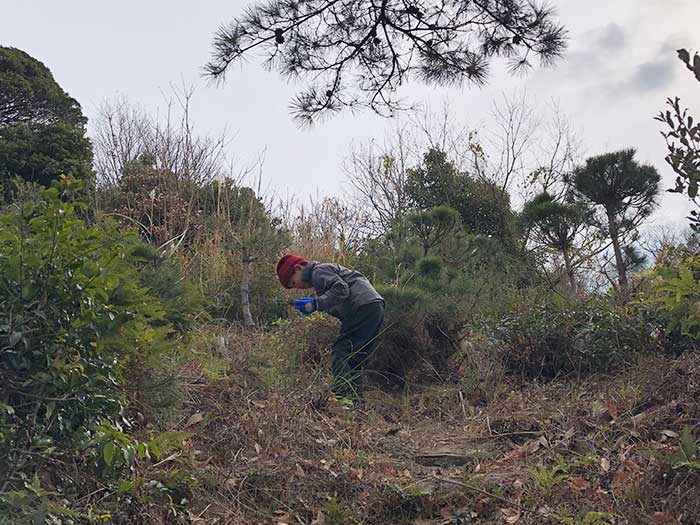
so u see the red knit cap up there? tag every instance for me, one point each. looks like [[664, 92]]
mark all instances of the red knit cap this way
[[285, 267]]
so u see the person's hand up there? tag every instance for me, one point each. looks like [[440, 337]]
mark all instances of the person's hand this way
[[305, 305]]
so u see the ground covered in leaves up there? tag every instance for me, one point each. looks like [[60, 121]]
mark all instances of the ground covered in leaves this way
[[600, 450]]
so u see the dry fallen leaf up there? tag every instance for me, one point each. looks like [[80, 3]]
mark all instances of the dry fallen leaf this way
[[511, 515], [579, 484], [300, 471], [258, 448], [605, 464], [283, 518], [320, 519], [193, 419], [568, 434], [545, 510], [664, 517], [670, 433]]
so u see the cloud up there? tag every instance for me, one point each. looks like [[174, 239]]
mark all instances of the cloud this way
[[589, 58], [606, 63], [611, 38], [653, 75]]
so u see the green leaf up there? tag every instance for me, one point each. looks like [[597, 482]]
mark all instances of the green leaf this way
[[688, 444], [39, 516], [108, 453], [124, 486], [50, 406], [129, 454], [27, 291], [14, 338], [141, 451], [155, 450]]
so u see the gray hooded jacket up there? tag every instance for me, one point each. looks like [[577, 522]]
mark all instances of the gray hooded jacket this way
[[340, 291]]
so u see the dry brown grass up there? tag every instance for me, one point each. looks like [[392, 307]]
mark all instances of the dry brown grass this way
[[266, 451]]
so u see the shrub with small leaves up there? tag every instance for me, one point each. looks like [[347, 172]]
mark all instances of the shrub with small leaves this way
[[549, 336], [74, 323], [674, 294]]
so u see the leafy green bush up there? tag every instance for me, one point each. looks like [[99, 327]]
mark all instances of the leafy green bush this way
[[549, 336], [75, 326], [674, 293]]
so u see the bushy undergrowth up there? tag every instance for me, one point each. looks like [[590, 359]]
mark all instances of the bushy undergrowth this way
[[183, 304], [293, 348], [79, 333], [545, 337], [217, 272], [415, 339], [670, 298], [468, 281]]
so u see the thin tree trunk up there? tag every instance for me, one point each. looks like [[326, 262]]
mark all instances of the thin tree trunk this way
[[569, 270], [245, 292], [619, 261]]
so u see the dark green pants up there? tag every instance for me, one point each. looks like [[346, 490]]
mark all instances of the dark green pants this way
[[358, 336]]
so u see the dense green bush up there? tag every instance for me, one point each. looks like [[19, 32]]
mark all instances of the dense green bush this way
[[545, 337], [161, 203], [163, 275], [468, 280], [75, 328], [483, 207], [416, 337], [429, 267], [668, 296], [675, 293]]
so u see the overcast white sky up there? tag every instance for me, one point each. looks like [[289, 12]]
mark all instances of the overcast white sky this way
[[619, 69]]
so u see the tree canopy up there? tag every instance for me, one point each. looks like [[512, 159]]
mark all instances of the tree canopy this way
[[618, 183], [483, 207], [45, 153], [42, 129], [30, 95], [555, 225], [626, 191], [358, 52], [434, 225]]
